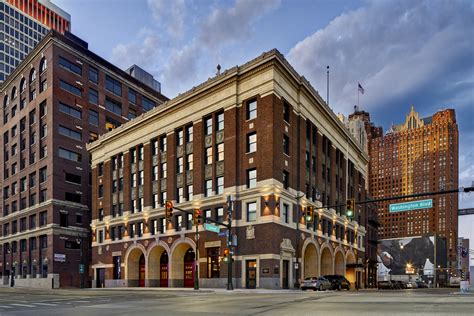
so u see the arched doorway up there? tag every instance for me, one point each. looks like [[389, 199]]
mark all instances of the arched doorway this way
[[181, 266], [351, 268], [311, 261], [164, 269], [135, 269], [326, 262], [141, 274], [339, 263], [189, 268]]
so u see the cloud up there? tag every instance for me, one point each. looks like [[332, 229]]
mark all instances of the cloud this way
[[392, 48], [171, 14], [141, 52]]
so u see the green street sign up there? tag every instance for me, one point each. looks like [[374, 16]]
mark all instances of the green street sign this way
[[82, 268], [410, 206], [211, 228]]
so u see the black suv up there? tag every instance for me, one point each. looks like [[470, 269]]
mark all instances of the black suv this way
[[338, 282]]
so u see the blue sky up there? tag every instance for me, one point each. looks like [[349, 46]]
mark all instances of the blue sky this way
[[403, 52]]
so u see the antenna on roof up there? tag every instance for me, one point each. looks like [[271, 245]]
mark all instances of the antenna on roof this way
[[218, 69]]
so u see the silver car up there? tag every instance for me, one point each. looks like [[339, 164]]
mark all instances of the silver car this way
[[316, 283]]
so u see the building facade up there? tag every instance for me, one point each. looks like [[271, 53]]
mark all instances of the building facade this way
[[59, 98], [259, 133], [23, 23], [418, 156]]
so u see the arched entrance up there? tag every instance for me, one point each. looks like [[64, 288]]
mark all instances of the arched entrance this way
[[135, 270], [351, 268], [158, 267], [326, 261], [181, 268], [310, 261], [339, 263]]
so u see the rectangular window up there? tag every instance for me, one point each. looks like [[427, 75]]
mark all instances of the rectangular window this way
[[113, 85], [208, 188], [155, 173], [189, 134], [70, 155], [163, 143], [69, 177], [286, 112], [93, 96], [286, 179], [33, 221], [72, 197], [113, 106], [251, 109], [163, 171], [43, 174], [180, 166], [132, 96], [147, 104], [208, 126], [93, 118], [190, 192], [117, 270], [189, 162], [251, 142], [179, 137], [251, 212], [70, 88], [286, 145], [180, 195], [251, 178], [93, 75], [285, 213], [70, 133], [43, 218], [63, 62], [220, 152], [208, 156], [131, 114], [70, 110], [220, 121], [220, 185], [213, 262], [43, 109]]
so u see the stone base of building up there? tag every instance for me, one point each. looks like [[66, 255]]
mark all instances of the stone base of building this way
[[50, 282]]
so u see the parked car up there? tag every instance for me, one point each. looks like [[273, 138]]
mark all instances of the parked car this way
[[316, 283], [338, 282], [399, 285], [411, 285], [385, 285], [421, 284]]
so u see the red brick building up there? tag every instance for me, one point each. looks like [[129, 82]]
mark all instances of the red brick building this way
[[257, 132], [58, 99], [418, 156]]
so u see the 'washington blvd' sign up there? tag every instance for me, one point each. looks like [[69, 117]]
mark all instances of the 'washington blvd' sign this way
[[410, 206]]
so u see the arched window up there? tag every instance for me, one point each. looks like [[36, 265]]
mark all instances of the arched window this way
[[32, 75], [14, 93], [22, 84], [43, 64], [5, 101]]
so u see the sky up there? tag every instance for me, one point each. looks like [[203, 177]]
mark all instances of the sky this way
[[403, 52]]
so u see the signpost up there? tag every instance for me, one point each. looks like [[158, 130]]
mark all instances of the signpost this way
[[410, 206], [82, 268], [211, 228]]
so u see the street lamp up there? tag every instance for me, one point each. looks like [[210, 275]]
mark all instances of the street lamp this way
[[12, 272], [81, 263], [297, 268]]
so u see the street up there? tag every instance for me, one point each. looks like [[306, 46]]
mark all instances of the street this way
[[239, 302]]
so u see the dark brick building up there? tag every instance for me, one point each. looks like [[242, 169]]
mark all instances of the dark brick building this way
[[259, 133], [58, 99]]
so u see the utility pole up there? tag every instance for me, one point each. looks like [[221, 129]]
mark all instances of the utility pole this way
[[196, 266], [230, 202], [435, 268], [297, 253]]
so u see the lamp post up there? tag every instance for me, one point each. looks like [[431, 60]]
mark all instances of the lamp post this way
[[12, 272], [298, 216], [81, 263]]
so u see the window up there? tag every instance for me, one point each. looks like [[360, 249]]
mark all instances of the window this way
[[140, 153], [286, 145], [163, 170], [285, 212], [286, 112], [251, 142], [63, 62], [72, 197], [163, 143], [180, 165], [93, 118], [33, 94], [208, 156], [43, 85], [179, 137], [213, 262], [93, 96], [189, 134], [220, 152], [251, 109], [70, 110], [251, 178], [132, 96], [43, 109], [113, 106], [43, 242], [43, 175], [70, 88], [43, 218], [113, 85], [208, 126], [134, 180], [251, 212], [208, 188], [43, 151], [190, 192], [189, 162], [93, 74], [220, 121], [286, 179], [32, 180], [154, 175], [78, 219], [33, 221], [69, 177], [117, 262], [180, 195], [43, 195], [22, 224], [132, 114], [23, 184], [147, 104], [70, 133], [70, 155], [220, 185], [141, 178]]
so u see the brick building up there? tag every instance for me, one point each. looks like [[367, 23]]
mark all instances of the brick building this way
[[58, 99], [258, 132], [24, 23], [420, 155]]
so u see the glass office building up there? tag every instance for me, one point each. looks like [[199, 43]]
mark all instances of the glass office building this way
[[23, 23]]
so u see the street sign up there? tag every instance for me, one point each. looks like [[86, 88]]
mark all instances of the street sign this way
[[82, 268], [211, 228], [59, 257], [410, 206], [221, 234]]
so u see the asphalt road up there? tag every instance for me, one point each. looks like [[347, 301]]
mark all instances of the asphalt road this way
[[240, 302]]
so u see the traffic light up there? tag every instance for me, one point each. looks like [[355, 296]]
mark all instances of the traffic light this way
[[168, 210], [196, 217], [350, 208], [226, 255], [309, 214]]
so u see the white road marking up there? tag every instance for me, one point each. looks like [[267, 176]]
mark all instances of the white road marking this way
[[46, 304], [22, 305], [5, 306]]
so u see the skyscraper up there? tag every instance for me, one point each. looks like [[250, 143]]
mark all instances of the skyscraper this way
[[23, 23], [418, 156]]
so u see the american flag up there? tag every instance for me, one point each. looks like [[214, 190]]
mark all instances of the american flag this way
[[361, 89]]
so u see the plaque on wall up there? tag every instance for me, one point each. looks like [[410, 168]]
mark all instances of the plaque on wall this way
[[265, 270]]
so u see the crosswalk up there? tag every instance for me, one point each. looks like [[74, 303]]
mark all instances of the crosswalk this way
[[5, 307]]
